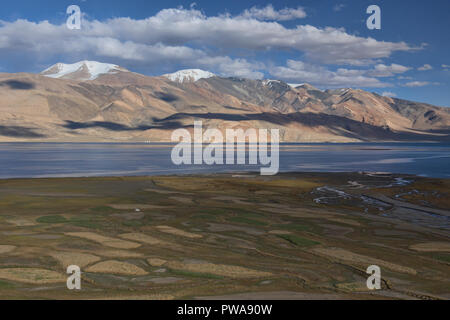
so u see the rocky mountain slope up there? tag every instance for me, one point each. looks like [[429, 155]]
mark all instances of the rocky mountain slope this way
[[99, 102]]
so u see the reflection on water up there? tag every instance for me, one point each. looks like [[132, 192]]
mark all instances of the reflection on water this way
[[106, 159]]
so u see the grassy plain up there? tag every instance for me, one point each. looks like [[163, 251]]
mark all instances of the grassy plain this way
[[225, 235]]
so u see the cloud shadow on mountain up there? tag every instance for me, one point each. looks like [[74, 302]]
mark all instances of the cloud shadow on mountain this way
[[340, 126], [19, 132], [167, 97], [18, 84], [113, 126]]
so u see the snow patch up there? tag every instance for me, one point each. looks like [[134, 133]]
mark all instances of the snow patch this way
[[93, 68], [189, 75], [267, 82]]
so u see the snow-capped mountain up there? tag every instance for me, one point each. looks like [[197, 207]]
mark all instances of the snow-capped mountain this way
[[189, 75], [268, 82], [83, 70], [128, 106]]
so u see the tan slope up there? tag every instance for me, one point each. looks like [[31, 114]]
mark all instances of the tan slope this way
[[127, 106]]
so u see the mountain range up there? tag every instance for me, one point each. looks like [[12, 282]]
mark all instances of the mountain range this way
[[92, 101]]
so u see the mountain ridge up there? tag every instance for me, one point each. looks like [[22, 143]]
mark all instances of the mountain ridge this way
[[82, 70], [126, 106]]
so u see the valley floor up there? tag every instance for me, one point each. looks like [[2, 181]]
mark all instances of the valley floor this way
[[290, 236]]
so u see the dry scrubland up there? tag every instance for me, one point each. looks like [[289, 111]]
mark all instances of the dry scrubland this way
[[225, 236]]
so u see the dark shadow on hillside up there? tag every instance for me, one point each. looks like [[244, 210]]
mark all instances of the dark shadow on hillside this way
[[167, 97], [17, 84], [19, 132], [113, 126], [341, 126]]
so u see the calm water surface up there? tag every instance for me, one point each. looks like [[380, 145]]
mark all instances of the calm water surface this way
[[20, 160]]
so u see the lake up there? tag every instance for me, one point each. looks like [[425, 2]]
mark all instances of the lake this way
[[33, 160]]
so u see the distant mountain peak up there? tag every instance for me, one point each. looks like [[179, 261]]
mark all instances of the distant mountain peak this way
[[306, 86], [276, 84], [188, 75], [270, 81], [82, 70]]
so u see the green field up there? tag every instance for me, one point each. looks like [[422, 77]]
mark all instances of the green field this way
[[182, 237]]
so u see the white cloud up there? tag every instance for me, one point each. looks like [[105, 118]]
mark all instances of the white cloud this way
[[388, 94], [425, 67], [269, 13], [39, 41], [187, 38], [175, 36], [240, 68], [382, 70], [180, 26], [417, 84], [300, 72]]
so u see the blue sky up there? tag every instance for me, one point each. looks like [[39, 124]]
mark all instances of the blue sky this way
[[325, 43]]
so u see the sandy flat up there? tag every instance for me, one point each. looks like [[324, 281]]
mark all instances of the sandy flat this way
[[156, 262], [106, 241], [182, 199], [140, 237], [118, 254], [74, 258], [431, 247], [342, 254], [178, 232], [32, 275], [116, 267], [217, 269], [356, 286], [6, 248], [21, 222]]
